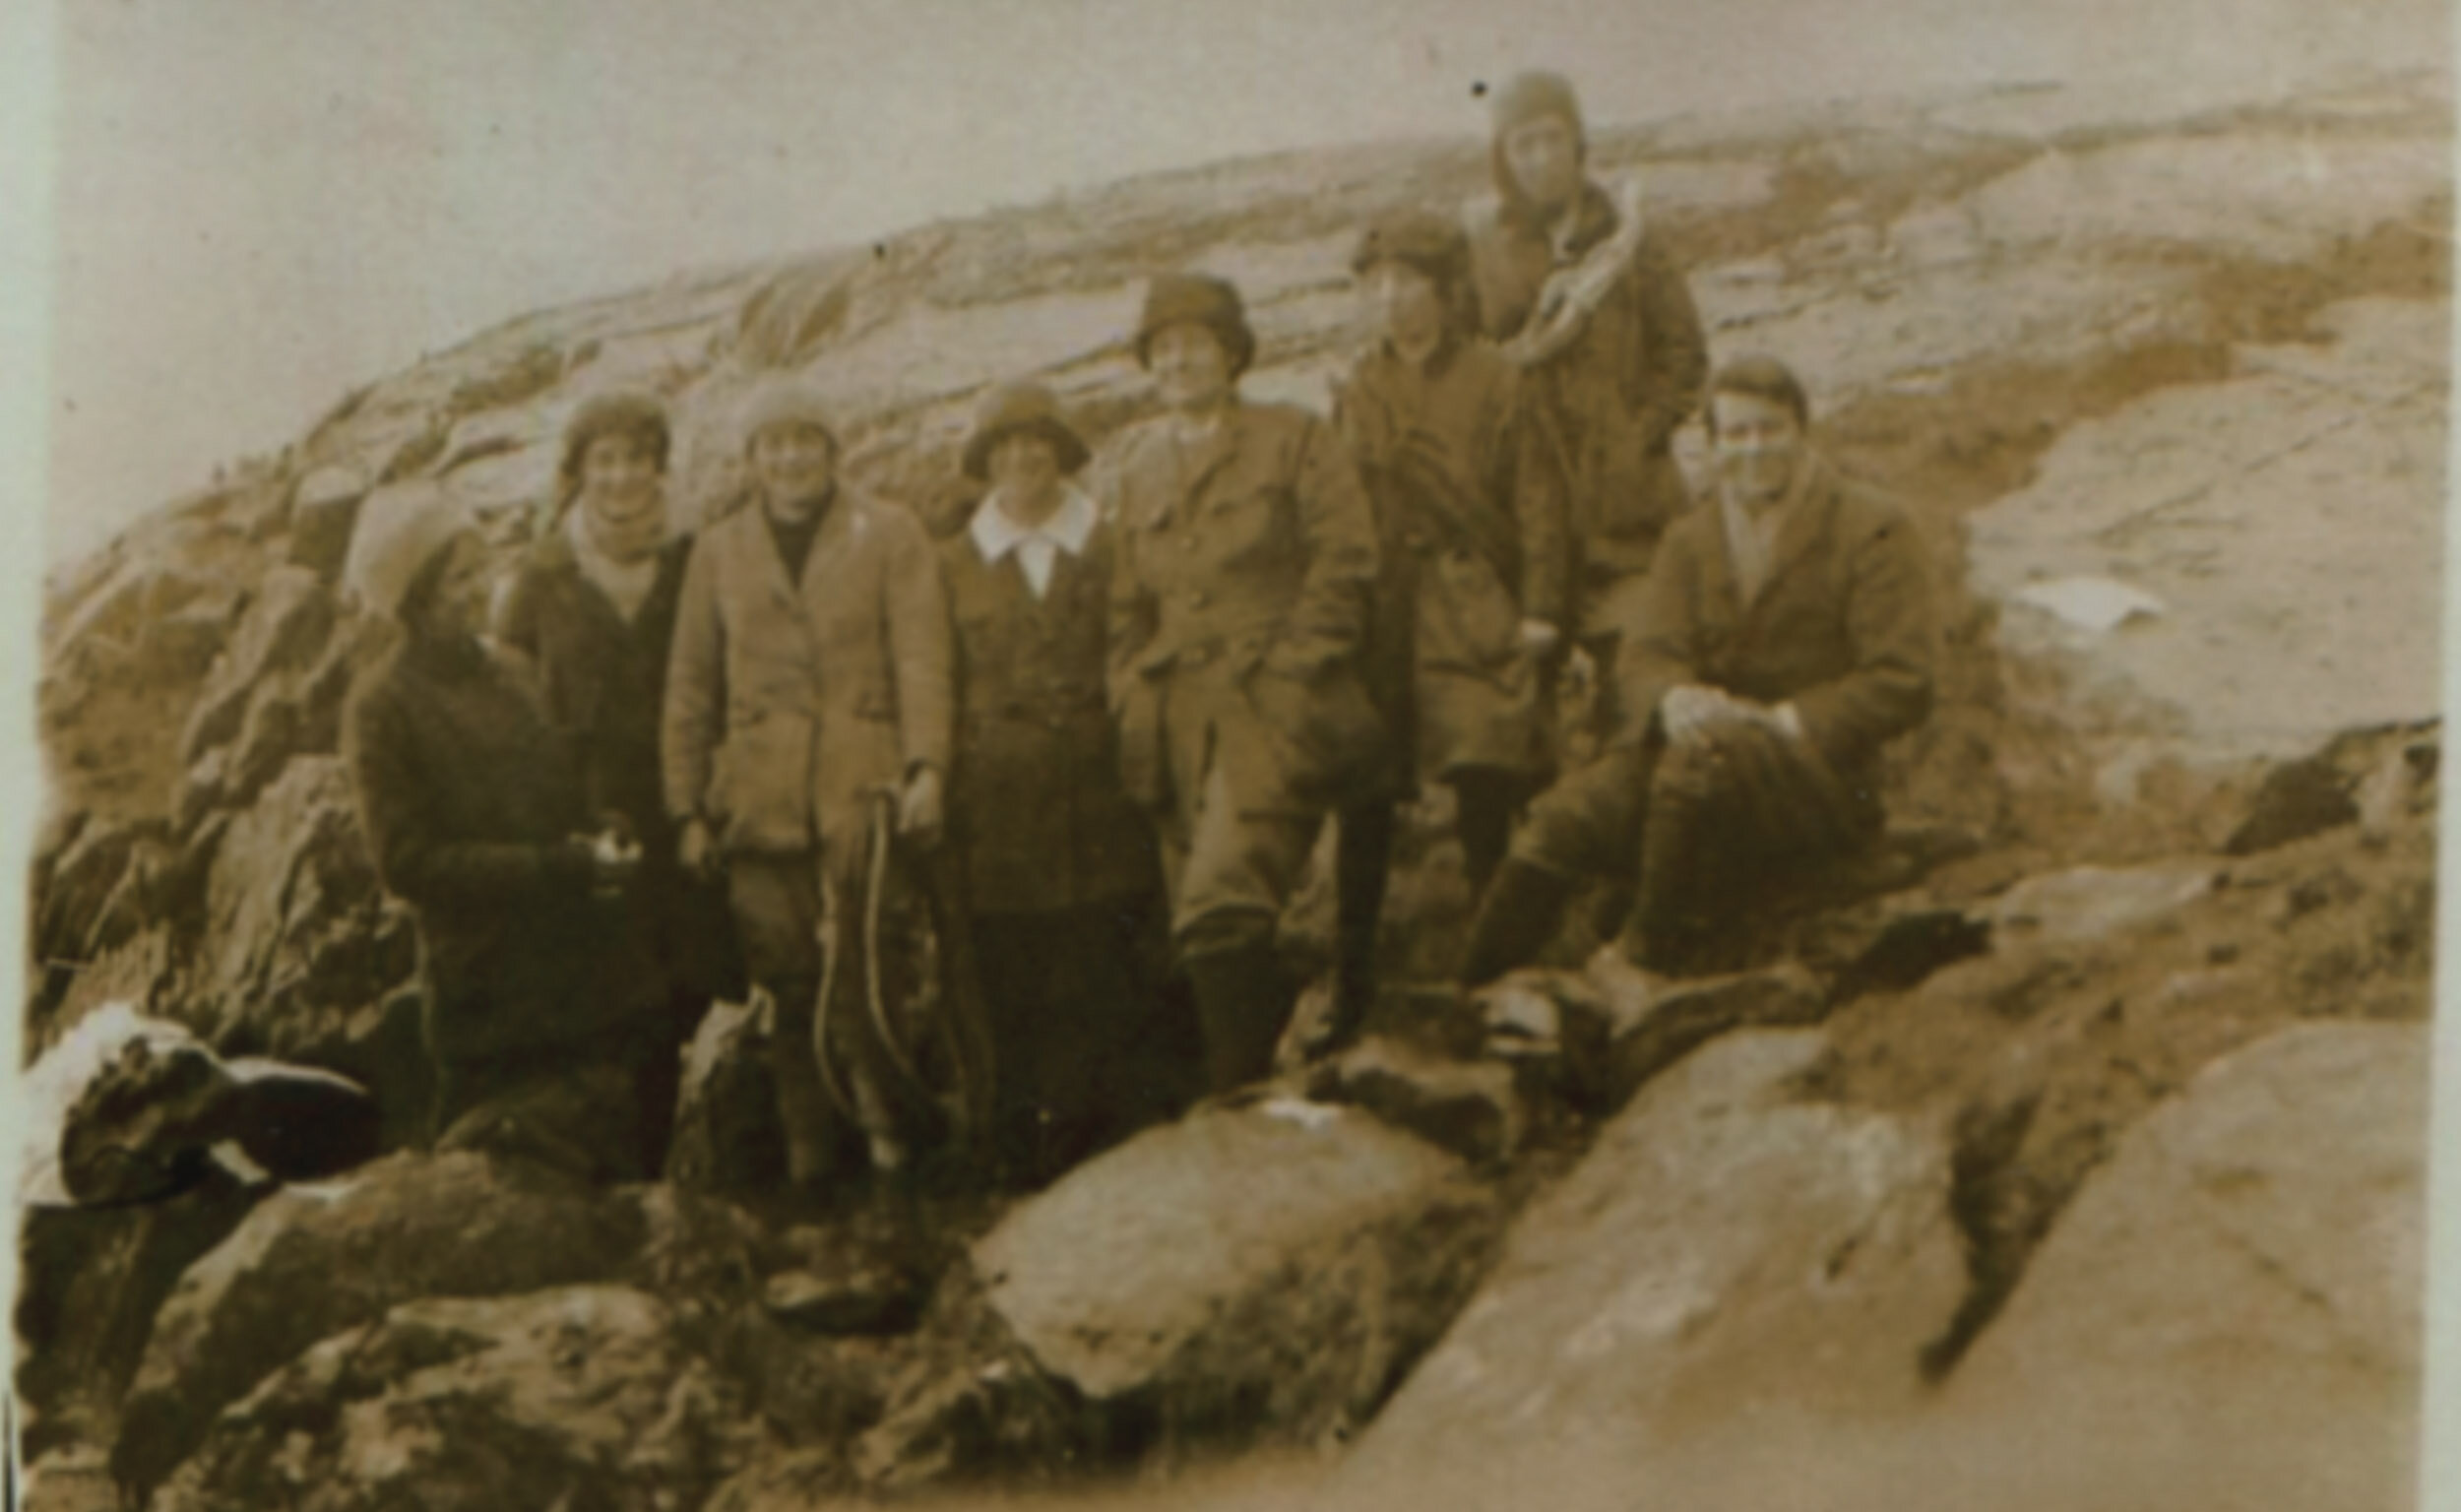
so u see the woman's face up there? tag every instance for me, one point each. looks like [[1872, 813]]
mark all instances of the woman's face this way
[[1191, 368], [795, 463], [619, 473], [1023, 466]]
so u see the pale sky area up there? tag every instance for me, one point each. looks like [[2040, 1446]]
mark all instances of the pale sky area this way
[[259, 204]]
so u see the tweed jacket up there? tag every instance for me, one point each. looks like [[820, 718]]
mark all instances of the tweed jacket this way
[[789, 705], [1846, 627], [1244, 578], [1472, 538]]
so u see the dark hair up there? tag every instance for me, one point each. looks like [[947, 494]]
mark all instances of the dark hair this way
[[612, 414], [1760, 377]]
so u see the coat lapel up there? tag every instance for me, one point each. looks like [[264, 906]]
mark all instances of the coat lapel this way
[[1805, 523]]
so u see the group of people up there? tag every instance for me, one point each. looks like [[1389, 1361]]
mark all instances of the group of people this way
[[1094, 735]]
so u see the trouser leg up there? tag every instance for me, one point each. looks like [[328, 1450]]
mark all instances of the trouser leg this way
[[1515, 921], [1677, 892], [776, 906], [1484, 801], [1362, 870], [1587, 825], [1239, 869]]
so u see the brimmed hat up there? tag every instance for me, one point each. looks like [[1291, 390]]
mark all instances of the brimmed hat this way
[[1431, 243], [1172, 297], [399, 530], [1020, 407], [784, 399], [620, 414]]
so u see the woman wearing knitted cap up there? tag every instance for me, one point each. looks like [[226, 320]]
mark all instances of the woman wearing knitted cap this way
[[1473, 599], [808, 694], [592, 609], [1245, 573], [476, 817], [1590, 307], [1057, 866]]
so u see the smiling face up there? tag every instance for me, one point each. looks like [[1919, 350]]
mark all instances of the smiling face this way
[[1758, 444], [619, 475], [1024, 466], [1545, 157], [1402, 304], [795, 465], [1192, 369]]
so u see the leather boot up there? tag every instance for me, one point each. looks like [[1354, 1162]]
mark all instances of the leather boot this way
[[1515, 921], [1244, 1002]]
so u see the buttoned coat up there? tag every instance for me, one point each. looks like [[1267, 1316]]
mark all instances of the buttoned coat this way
[[1845, 628], [1608, 404], [1037, 818], [789, 706], [1240, 595], [1472, 538]]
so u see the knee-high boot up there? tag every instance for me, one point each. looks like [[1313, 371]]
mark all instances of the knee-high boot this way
[[1244, 1002], [1361, 869], [1515, 921]]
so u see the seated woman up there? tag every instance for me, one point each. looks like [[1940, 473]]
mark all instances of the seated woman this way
[[475, 816], [590, 611]]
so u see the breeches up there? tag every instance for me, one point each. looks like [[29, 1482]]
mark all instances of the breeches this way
[[799, 916], [1231, 858]]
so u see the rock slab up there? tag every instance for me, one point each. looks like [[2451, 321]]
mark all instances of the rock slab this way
[[1248, 1275], [1724, 1253]]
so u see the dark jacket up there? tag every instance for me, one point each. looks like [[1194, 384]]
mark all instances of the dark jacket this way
[[1037, 818], [1608, 404], [1845, 628], [1472, 537], [466, 795], [602, 680], [1244, 580]]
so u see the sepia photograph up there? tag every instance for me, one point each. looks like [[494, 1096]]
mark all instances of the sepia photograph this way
[[1258, 754]]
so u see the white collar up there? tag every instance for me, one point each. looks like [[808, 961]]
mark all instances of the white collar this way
[[1069, 527]]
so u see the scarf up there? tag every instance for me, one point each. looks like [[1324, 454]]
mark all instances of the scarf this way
[[1573, 293], [621, 559]]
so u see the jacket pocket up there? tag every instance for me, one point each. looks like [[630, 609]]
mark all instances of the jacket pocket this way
[[760, 785]]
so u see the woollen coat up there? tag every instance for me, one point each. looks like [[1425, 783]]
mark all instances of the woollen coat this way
[[602, 678], [1244, 578], [1471, 535], [1608, 404], [1845, 628], [467, 794], [789, 705], [1037, 818]]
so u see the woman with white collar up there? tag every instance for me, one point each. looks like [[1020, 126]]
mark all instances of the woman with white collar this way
[[1056, 866]]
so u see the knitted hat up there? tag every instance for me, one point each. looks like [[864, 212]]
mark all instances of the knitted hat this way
[[784, 399], [399, 530], [1526, 96], [1020, 407], [612, 414], [1172, 297], [1422, 238]]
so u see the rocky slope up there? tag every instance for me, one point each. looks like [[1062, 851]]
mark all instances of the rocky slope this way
[[2168, 397]]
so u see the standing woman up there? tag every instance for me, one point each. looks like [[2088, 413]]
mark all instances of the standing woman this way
[[1245, 575], [475, 816], [592, 610], [1057, 865], [1471, 527]]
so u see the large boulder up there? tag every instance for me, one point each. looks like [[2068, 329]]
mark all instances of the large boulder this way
[[313, 1262], [1724, 1253], [580, 1396], [301, 951], [1249, 1275], [2231, 1308]]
